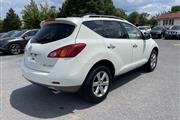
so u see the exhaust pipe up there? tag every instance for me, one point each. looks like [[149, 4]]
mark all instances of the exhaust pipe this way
[[55, 91]]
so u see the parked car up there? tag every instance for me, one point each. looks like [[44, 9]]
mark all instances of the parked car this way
[[158, 32], [84, 54], [173, 32], [1, 34], [16, 43], [9, 34], [145, 29]]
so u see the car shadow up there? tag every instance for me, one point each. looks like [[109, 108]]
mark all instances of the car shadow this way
[[172, 39], [5, 54], [38, 102]]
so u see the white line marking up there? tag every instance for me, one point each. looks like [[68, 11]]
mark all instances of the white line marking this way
[[177, 45]]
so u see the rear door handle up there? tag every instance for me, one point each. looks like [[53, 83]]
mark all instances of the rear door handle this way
[[111, 46], [135, 46]]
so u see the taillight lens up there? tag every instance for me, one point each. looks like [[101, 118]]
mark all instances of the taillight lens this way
[[67, 51]]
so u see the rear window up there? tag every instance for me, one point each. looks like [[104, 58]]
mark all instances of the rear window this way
[[53, 32], [175, 28], [106, 28]]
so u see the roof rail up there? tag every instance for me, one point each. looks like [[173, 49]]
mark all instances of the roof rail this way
[[102, 16]]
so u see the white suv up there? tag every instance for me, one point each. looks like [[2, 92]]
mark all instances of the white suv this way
[[85, 53]]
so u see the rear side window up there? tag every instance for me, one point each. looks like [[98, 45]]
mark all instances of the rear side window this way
[[96, 26], [107, 29], [53, 32]]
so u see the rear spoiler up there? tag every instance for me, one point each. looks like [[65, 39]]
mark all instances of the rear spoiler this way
[[59, 20]]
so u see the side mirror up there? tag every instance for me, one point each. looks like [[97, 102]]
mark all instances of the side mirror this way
[[146, 36], [24, 36]]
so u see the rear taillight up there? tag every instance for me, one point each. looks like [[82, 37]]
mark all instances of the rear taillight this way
[[67, 51]]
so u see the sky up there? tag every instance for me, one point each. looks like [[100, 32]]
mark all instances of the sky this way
[[151, 6]]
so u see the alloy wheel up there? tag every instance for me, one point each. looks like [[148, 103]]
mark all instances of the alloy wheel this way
[[100, 84], [153, 61], [15, 49]]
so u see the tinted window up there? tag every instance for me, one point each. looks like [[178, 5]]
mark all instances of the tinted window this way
[[19, 33], [96, 26], [175, 28], [9, 34], [142, 28], [53, 32], [133, 32], [108, 29], [31, 33], [157, 28], [113, 29]]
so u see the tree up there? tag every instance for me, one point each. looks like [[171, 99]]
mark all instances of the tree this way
[[175, 8], [143, 18], [134, 17], [11, 21], [121, 13], [153, 21], [83, 7], [33, 14], [1, 25]]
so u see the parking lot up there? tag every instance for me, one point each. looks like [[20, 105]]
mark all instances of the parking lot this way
[[136, 95]]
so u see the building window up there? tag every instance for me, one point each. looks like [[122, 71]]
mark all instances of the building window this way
[[172, 22], [164, 22], [168, 22]]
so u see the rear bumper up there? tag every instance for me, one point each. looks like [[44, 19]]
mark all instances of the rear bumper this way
[[156, 35], [3, 49], [70, 77], [71, 89], [172, 36]]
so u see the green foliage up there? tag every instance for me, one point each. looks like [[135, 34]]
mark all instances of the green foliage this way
[[175, 8], [83, 7], [152, 21], [11, 21], [134, 17], [143, 18], [33, 14], [1, 25], [121, 13]]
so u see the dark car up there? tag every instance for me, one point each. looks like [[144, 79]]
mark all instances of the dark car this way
[[158, 32], [9, 34], [16, 43], [173, 32], [1, 34]]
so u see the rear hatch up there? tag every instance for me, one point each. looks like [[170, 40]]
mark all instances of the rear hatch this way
[[52, 35]]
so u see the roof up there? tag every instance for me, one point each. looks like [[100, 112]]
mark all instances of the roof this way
[[169, 16], [79, 20]]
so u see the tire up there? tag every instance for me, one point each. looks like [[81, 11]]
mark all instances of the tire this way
[[15, 49], [94, 89], [152, 62]]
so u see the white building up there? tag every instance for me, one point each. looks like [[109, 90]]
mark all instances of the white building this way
[[169, 19]]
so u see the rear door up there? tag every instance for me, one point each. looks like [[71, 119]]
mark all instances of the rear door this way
[[117, 44], [138, 44], [49, 38]]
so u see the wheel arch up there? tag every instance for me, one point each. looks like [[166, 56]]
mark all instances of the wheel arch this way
[[156, 49], [14, 42], [10, 43], [106, 63]]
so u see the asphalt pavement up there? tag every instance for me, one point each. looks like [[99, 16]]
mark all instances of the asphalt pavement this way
[[136, 95]]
